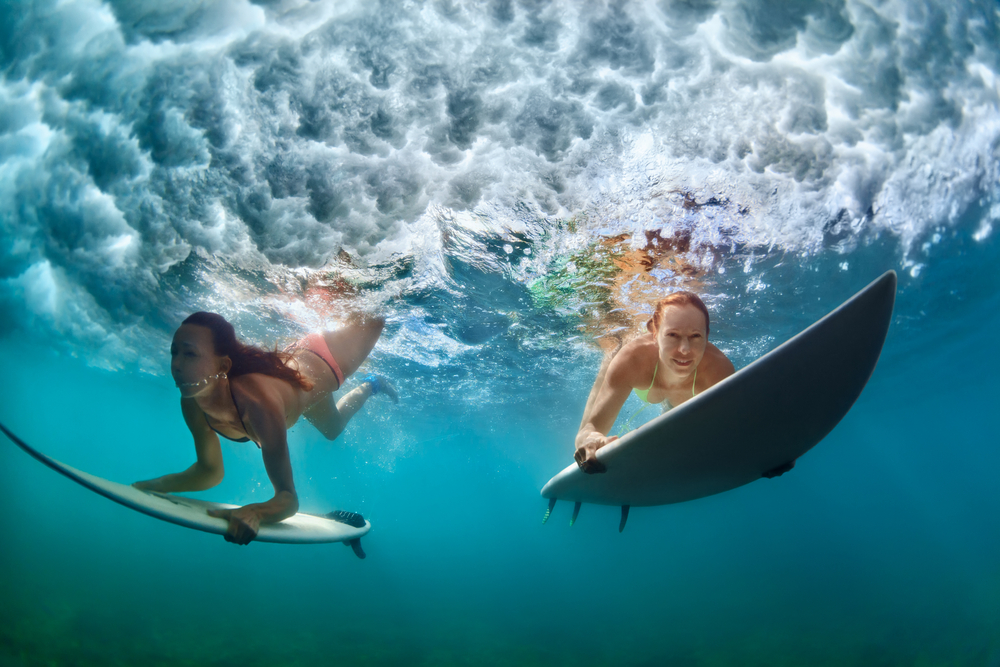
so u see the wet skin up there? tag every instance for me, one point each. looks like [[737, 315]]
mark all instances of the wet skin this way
[[675, 350], [269, 407]]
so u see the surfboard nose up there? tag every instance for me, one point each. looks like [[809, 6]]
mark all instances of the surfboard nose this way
[[883, 289], [876, 302]]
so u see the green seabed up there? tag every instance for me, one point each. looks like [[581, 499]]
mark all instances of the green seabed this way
[[103, 636], [171, 620]]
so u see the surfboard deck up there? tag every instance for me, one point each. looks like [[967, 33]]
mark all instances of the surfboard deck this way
[[191, 513], [763, 416]]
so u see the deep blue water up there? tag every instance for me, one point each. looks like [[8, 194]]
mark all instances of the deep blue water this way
[[505, 182]]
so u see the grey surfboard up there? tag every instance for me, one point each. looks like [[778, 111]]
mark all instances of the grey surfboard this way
[[192, 513], [765, 415]]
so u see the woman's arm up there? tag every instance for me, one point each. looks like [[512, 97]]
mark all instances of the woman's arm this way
[[265, 419], [596, 389], [601, 412], [207, 471]]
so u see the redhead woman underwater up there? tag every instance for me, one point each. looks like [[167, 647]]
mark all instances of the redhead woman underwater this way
[[671, 363], [244, 393]]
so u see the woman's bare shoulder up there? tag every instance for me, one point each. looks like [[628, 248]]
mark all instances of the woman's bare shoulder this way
[[642, 345], [256, 388], [719, 366], [630, 364]]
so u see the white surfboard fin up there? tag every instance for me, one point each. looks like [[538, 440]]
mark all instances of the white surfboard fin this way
[[552, 503], [356, 545], [621, 526], [576, 513]]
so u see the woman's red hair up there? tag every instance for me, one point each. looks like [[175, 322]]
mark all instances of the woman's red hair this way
[[677, 299], [247, 358]]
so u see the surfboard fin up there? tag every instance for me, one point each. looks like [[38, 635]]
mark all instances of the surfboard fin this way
[[621, 526], [576, 513], [552, 503], [351, 519], [356, 545]]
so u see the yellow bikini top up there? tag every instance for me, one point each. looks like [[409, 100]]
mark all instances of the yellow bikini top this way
[[644, 393]]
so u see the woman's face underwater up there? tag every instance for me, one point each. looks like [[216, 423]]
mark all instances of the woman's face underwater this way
[[682, 338], [193, 360]]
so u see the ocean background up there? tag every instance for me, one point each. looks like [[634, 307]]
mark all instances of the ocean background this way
[[507, 182]]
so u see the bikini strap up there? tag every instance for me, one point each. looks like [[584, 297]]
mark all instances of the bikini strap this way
[[644, 393], [239, 413]]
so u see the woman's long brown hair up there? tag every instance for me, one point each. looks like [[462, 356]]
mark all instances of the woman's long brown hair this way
[[247, 358]]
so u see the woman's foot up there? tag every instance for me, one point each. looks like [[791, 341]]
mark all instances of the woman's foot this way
[[380, 385]]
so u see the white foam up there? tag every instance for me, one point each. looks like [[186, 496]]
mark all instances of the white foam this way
[[282, 136]]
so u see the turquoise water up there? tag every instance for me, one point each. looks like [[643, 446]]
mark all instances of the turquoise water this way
[[506, 182]]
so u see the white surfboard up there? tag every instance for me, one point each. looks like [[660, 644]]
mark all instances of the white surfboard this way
[[762, 417], [192, 513]]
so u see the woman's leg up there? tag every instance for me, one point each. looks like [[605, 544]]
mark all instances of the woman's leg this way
[[331, 419], [350, 346], [353, 343]]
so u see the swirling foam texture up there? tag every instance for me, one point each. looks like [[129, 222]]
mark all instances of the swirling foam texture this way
[[150, 150]]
